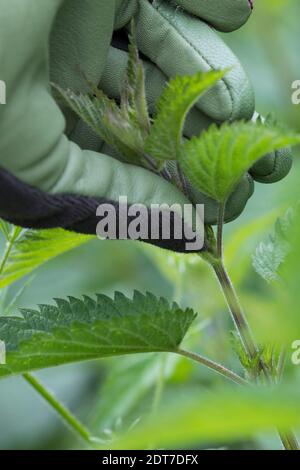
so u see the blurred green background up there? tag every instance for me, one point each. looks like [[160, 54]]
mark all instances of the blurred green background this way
[[110, 395]]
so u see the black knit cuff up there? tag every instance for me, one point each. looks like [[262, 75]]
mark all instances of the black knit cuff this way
[[26, 206]]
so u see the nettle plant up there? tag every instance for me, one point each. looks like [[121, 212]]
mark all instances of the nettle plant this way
[[75, 330]]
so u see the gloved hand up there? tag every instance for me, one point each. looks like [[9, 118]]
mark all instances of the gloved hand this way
[[48, 179]]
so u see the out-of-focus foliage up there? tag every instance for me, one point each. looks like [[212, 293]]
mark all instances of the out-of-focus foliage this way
[[270, 255], [113, 394], [27, 250], [212, 419]]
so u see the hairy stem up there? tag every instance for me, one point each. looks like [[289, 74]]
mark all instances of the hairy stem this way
[[227, 373], [183, 183], [221, 215], [63, 412], [215, 259], [236, 311], [288, 438]]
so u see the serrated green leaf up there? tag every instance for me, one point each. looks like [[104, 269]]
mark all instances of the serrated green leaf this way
[[270, 255], [179, 97], [33, 248], [77, 330], [216, 161]]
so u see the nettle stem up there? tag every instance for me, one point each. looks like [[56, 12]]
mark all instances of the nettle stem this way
[[221, 215], [235, 309], [183, 184], [288, 438]]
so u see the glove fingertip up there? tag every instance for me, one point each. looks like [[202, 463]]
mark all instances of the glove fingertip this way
[[273, 167], [239, 198], [224, 15], [235, 204], [239, 19]]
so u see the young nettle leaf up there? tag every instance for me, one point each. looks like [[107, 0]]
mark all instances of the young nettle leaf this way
[[271, 356], [76, 330], [33, 248], [240, 352], [179, 97], [123, 127], [107, 120], [216, 161], [133, 96], [270, 255], [88, 108]]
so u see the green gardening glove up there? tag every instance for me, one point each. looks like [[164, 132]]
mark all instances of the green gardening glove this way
[[53, 171]]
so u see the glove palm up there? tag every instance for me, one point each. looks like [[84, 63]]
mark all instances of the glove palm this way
[[53, 41]]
